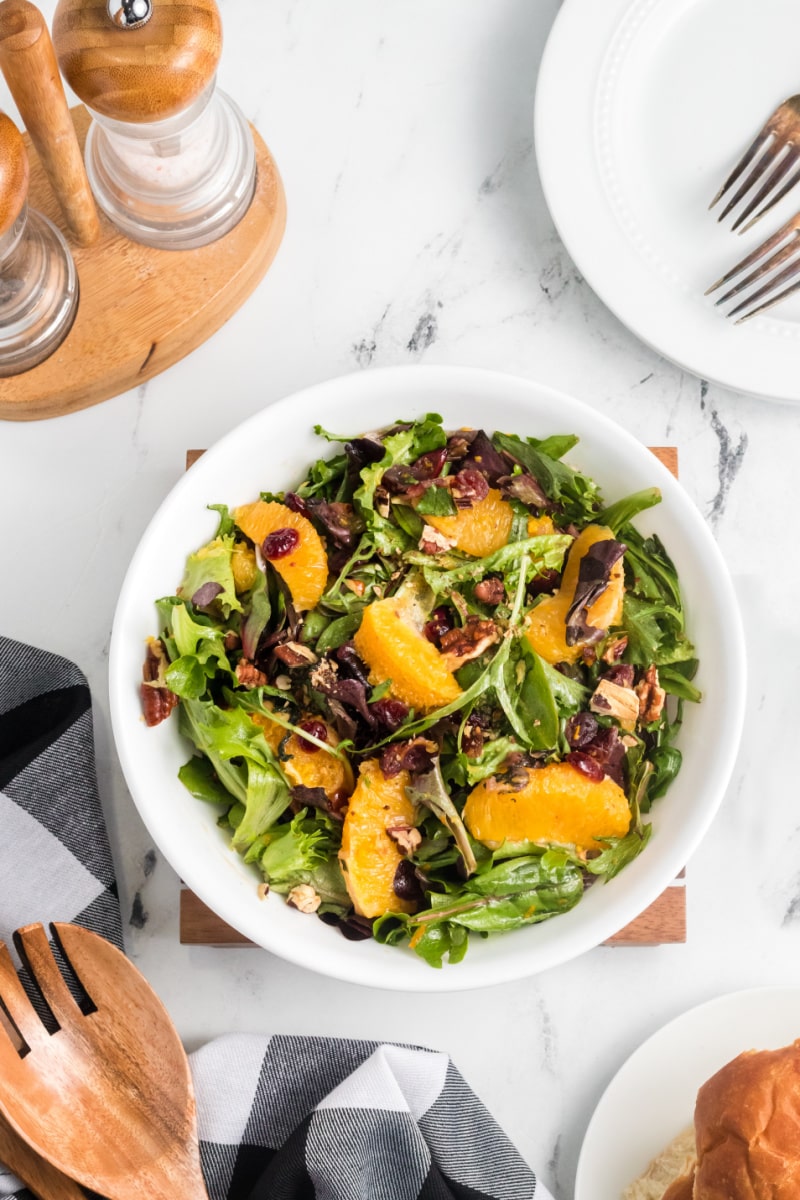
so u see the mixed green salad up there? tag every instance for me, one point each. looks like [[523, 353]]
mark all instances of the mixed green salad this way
[[434, 689]]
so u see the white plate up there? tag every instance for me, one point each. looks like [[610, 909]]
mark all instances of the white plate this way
[[651, 1098], [642, 108], [273, 450]]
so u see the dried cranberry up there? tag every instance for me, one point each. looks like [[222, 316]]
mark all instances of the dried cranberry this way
[[414, 756], [280, 543], [587, 765], [297, 504], [580, 730], [317, 729], [469, 487], [390, 713], [548, 581], [429, 466], [621, 674], [406, 884], [441, 622]]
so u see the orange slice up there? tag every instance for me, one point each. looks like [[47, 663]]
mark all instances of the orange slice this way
[[368, 856], [394, 649], [304, 568], [479, 530]]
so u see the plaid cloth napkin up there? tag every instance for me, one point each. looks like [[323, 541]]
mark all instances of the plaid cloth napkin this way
[[281, 1118]]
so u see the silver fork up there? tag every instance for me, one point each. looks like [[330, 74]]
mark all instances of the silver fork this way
[[777, 145], [782, 248]]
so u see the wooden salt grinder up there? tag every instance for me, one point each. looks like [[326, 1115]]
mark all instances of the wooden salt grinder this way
[[28, 62]]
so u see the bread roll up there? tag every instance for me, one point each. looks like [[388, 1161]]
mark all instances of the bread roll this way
[[747, 1126]]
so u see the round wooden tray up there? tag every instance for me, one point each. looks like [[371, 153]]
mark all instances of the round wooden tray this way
[[142, 309]]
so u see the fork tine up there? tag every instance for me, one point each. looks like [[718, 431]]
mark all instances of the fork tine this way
[[35, 951], [784, 166], [768, 303], [742, 165], [785, 276], [764, 163], [17, 1004], [776, 199], [785, 252], [755, 255]]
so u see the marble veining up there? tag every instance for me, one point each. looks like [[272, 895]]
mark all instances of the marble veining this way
[[418, 233]]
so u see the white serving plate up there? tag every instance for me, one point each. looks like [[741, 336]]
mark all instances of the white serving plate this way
[[651, 1098], [642, 108], [273, 450]]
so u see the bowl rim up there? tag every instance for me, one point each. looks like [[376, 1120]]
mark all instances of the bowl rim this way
[[341, 963]]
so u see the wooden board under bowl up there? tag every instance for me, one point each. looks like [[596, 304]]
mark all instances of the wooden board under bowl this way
[[663, 923]]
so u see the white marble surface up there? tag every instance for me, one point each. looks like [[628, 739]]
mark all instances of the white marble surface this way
[[417, 232]]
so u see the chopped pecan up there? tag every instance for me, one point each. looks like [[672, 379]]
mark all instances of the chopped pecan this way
[[472, 740], [469, 641], [249, 675], [356, 586], [433, 542], [490, 591], [615, 701], [294, 654], [651, 696], [157, 699], [406, 836], [615, 649], [304, 898]]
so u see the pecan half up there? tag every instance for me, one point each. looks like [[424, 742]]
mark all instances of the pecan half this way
[[249, 675], [469, 641], [157, 699], [293, 654], [615, 649], [490, 591], [433, 542], [651, 696]]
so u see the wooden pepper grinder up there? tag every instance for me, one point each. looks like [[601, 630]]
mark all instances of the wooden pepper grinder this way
[[170, 157], [38, 282]]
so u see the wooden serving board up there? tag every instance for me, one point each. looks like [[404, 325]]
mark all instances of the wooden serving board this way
[[141, 309], [663, 923]]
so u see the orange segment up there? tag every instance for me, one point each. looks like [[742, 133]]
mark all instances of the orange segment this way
[[369, 857], [317, 769], [394, 649], [546, 625], [305, 568], [557, 805], [479, 530], [540, 526]]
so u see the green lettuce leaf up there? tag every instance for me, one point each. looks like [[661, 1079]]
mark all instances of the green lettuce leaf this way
[[212, 564]]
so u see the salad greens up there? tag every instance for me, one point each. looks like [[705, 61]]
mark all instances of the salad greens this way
[[417, 685]]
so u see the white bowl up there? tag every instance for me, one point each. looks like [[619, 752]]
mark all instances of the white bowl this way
[[273, 450]]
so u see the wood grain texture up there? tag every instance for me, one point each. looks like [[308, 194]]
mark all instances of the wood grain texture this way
[[141, 309], [28, 62], [662, 923], [143, 74], [14, 173], [109, 1099]]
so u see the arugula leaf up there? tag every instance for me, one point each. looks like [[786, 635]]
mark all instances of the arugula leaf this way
[[399, 448], [227, 525], [655, 633], [619, 852], [677, 681], [199, 777], [555, 446], [430, 790], [649, 571], [408, 521], [569, 694], [619, 514], [436, 502], [575, 494]]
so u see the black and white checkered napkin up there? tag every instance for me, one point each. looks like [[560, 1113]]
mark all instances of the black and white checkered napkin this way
[[281, 1118]]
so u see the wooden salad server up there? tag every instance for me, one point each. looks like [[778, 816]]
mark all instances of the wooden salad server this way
[[35, 1172], [28, 62], [107, 1099]]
